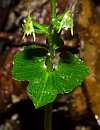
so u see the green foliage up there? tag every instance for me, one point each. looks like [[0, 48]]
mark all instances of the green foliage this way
[[44, 85], [50, 69]]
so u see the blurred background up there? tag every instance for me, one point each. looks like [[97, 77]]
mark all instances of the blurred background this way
[[78, 110]]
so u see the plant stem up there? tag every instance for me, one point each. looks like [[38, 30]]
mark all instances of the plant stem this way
[[48, 117], [53, 10], [51, 50]]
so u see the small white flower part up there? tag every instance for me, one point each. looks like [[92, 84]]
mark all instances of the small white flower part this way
[[48, 54], [28, 28], [44, 66]]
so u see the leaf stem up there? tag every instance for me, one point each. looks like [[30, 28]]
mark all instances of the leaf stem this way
[[40, 28]]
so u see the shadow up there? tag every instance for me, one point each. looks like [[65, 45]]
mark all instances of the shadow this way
[[31, 53]]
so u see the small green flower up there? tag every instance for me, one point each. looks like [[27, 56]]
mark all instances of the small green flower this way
[[28, 28], [67, 21]]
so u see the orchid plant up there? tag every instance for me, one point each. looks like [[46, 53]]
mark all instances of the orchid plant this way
[[49, 69]]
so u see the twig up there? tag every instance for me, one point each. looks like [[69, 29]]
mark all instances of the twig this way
[[17, 38]]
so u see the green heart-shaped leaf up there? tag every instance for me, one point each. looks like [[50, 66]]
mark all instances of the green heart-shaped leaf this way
[[44, 85]]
